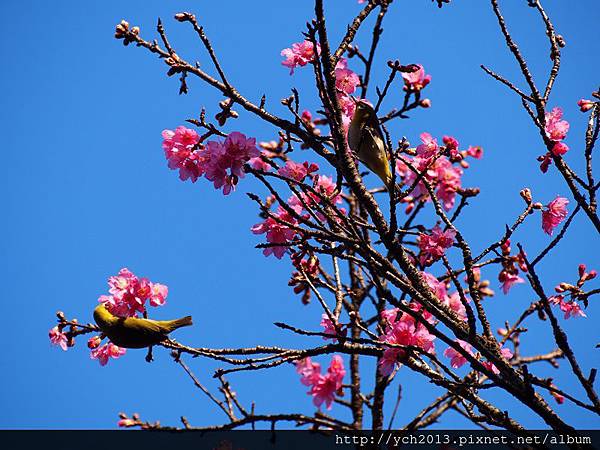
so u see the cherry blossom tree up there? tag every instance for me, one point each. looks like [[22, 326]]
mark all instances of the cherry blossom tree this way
[[394, 285]]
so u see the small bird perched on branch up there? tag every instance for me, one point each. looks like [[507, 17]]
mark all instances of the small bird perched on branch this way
[[133, 332], [366, 141]]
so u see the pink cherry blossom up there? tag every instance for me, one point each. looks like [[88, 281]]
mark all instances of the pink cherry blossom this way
[[329, 328], [452, 146], [258, 163], [158, 294], [434, 245], [571, 309], [346, 81], [402, 330], [389, 315], [415, 81], [554, 214], [309, 371], [556, 128], [179, 147], [325, 388], [454, 302], [456, 358], [585, 105], [560, 148], [57, 337], [440, 172], [438, 287], [223, 162], [429, 146], [107, 351], [509, 280], [277, 232], [475, 151], [297, 171], [299, 55], [130, 293], [506, 354]]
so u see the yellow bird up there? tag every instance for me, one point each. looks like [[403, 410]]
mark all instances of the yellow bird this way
[[366, 141], [133, 332]]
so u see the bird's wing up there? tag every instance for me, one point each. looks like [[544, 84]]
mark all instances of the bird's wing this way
[[145, 327], [369, 134]]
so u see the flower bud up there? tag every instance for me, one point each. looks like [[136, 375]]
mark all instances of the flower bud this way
[[94, 342], [585, 105], [526, 195], [425, 103]]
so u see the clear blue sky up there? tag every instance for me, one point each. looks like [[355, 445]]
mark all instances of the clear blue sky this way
[[86, 191]]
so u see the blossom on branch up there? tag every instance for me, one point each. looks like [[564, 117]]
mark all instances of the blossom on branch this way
[[299, 55], [130, 293], [107, 351], [434, 245], [401, 330], [277, 232], [323, 387], [58, 338], [220, 162], [456, 358], [417, 80], [223, 162], [179, 146], [554, 214]]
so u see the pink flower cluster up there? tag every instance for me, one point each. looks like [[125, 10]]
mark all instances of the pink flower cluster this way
[[452, 301], [129, 294], [437, 170], [402, 329], [329, 328], [280, 226], [181, 152], [415, 81], [323, 388], [279, 230], [346, 83], [506, 354], [509, 275], [456, 358], [570, 307], [299, 55], [297, 171], [434, 245], [58, 338], [107, 351], [554, 213], [219, 162], [556, 130]]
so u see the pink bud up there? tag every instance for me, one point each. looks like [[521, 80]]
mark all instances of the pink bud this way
[[560, 148], [425, 103], [585, 105], [94, 342], [581, 270]]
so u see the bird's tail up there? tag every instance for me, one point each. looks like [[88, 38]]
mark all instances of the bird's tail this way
[[178, 323]]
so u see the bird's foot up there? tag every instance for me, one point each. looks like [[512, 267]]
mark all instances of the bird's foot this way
[[149, 357]]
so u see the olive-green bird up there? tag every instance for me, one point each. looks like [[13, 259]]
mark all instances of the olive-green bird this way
[[366, 141], [132, 332]]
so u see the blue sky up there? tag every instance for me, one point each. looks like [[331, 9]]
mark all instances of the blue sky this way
[[86, 191]]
